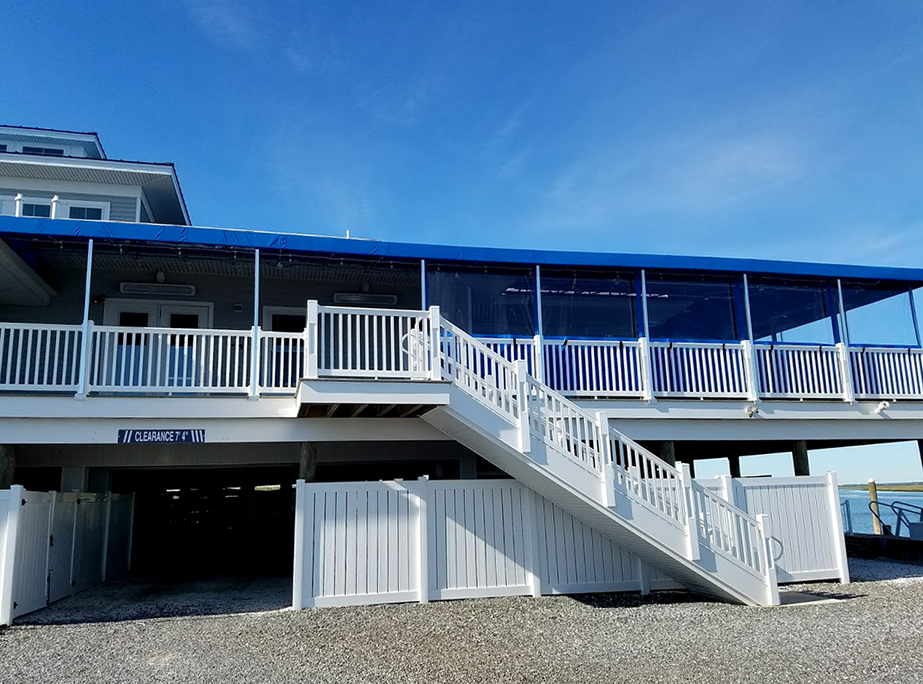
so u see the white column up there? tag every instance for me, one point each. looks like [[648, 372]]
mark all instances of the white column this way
[[522, 390], [530, 535], [843, 348], [608, 472], [772, 581], [435, 343], [54, 207], [255, 341], [836, 527], [311, 345], [17, 204], [86, 330], [692, 519], [423, 547]]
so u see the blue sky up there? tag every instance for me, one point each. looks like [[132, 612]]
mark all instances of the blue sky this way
[[777, 129]]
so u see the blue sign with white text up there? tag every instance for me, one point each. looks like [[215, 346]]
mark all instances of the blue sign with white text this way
[[161, 436]]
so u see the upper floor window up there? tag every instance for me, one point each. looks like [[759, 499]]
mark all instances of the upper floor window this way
[[36, 210], [691, 307], [86, 213], [47, 151]]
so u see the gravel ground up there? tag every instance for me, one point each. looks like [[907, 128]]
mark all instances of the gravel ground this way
[[227, 630]]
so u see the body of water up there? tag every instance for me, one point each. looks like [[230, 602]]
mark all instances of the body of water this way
[[862, 516]]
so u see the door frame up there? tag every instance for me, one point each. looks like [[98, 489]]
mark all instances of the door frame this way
[[155, 308]]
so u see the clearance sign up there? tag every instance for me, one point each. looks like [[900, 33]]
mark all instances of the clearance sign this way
[[161, 436]]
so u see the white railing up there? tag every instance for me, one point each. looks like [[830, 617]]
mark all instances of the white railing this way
[[478, 370], [699, 370], [38, 357], [594, 368], [169, 359], [799, 371], [887, 373], [729, 530], [281, 361], [646, 478], [371, 343], [516, 349], [564, 425], [589, 442]]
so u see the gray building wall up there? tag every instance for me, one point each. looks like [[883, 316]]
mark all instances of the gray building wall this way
[[120, 208]]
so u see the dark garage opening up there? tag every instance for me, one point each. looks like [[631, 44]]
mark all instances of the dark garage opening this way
[[196, 523]]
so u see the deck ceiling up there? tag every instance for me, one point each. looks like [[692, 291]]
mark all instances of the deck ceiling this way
[[19, 284]]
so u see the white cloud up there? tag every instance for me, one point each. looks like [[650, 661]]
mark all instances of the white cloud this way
[[228, 23]]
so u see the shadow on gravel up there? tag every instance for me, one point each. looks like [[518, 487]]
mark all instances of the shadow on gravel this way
[[145, 599], [633, 600]]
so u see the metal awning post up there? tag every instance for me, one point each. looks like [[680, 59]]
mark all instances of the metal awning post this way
[[255, 342], [85, 329]]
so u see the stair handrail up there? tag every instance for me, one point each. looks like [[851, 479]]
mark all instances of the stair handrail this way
[[639, 473]]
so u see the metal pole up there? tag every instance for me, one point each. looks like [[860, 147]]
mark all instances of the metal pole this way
[[538, 300], [747, 308], [85, 328], [844, 325], [913, 314], [873, 505], [255, 342], [647, 324], [423, 285]]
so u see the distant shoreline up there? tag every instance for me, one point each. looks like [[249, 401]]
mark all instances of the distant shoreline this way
[[884, 487]]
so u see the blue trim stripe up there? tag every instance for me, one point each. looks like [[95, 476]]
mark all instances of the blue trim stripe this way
[[309, 244]]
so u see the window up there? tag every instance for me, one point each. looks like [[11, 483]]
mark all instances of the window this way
[[47, 151], [588, 305], [879, 312], [290, 323], [2, 148], [36, 210], [86, 213], [488, 301], [791, 310], [691, 307]]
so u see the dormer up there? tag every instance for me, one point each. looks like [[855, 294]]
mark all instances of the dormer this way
[[49, 143]]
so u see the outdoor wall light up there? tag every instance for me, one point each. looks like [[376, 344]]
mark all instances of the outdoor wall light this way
[[883, 406], [752, 411]]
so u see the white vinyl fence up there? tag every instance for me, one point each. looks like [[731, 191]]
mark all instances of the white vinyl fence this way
[[54, 544], [805, 523], [372, 542]]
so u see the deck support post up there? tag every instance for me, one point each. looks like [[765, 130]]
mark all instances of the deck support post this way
[[644, 577], [522, 391], [734, 465], [800, 458], [750, 372], [307, 462], [692, 518], [668, 452], [86, 330], [7, 465], [311, 340]]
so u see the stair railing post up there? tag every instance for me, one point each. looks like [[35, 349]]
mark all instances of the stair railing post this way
[[605, 450], [647, 371], [311, 346], [522, 393], [538, 358], [692, 518], [435, 343], [769, 564]]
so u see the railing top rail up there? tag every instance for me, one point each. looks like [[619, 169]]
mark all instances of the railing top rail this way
[[785, 346], [276, 333], [410, 313], [584, 341], [42, 326], [719, 500], [172, 331], [497, 358], [628, 441], [688, 344]]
